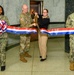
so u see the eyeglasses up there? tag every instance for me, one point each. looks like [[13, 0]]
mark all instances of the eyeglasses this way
[[44, 12]]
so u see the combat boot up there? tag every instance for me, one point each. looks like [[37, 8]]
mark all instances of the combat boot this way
[[72, 66], [22, 58], [27, 55]]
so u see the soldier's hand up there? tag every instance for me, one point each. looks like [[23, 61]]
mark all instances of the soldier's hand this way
[[33, 20], [33, 24]]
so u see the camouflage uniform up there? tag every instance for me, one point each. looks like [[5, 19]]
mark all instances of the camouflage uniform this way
[[70, 24], [25, 21], [3, 43]]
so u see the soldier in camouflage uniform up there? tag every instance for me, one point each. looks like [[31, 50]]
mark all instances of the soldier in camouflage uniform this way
[[25, 21], [3, 42], [70, 24]]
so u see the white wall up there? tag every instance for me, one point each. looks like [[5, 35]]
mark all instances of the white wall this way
[[13, 9], [56, 10]]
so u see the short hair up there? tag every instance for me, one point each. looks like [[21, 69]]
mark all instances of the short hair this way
[[46, 10], [2, 10]]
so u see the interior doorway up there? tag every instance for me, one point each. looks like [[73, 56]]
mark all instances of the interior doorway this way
[[37, 6]]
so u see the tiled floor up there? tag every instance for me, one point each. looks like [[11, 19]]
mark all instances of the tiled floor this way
[[57, 62]]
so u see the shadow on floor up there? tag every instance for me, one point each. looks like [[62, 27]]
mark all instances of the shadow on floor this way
[[11, 46]]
